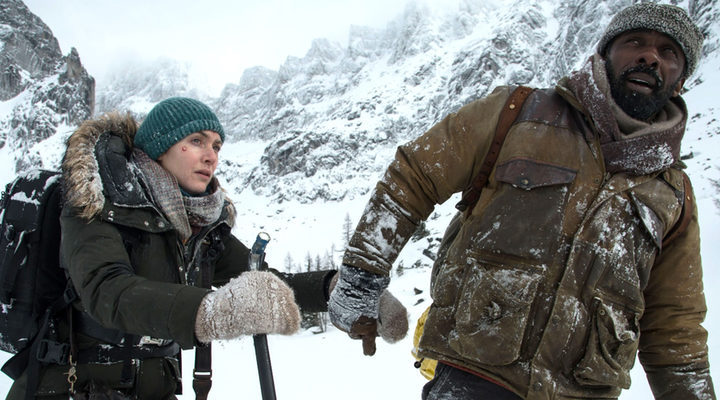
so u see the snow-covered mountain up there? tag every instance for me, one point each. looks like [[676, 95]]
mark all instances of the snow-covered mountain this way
[[329, 121], [307, 142], [137, 86], [40, 89]]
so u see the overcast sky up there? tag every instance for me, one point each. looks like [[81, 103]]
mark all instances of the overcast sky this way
[[222, 37]]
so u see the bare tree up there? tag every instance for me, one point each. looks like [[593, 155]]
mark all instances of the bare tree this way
[[308, 262], [288, 263], [347, 229]]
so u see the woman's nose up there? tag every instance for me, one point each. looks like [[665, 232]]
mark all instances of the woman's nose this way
[[210, 156]]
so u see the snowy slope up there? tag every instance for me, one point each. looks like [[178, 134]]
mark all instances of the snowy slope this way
[[299, 178]]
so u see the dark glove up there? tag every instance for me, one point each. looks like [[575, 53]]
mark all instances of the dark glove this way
[[361, 305]]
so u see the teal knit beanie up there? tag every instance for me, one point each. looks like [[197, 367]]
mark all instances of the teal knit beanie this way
[[170, 121]]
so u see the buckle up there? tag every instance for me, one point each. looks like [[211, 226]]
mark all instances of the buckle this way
[[69, 294], [148, 340], [53, 352]]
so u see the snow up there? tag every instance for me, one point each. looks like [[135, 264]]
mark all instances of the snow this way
[[23, 198], [329, 365]]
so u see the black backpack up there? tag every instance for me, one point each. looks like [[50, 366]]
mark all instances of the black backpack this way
[[33, 286], [35, 291]]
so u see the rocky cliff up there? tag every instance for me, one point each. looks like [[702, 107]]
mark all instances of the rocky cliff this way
[[40, 88]]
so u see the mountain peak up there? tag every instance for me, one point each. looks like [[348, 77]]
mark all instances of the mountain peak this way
[[41, 88]]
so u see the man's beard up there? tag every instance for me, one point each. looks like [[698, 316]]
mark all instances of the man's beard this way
[[638, 105]]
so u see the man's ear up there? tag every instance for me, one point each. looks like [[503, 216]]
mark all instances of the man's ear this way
[[679, 87]]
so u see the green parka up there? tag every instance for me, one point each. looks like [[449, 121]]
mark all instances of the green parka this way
[[132, 272], [559, 275]]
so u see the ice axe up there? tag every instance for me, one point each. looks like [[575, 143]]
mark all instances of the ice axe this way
[[262, 353]]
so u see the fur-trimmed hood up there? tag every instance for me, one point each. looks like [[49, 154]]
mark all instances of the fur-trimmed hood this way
[[80, 168], [98, 166]]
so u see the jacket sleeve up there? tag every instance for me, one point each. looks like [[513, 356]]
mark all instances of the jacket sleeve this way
[[110, 291], [311, 288], [673, 344], [233, 261], [425, 172]]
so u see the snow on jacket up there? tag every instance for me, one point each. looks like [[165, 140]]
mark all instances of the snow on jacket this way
[[558, 276]]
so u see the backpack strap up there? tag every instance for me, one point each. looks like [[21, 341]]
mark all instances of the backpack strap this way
[[42, 351], [688, 209], [508, 115], [202, 373]]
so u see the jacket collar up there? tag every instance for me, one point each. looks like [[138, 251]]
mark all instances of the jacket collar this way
[[628, 145]]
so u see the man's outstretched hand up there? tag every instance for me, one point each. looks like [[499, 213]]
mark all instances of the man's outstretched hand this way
[[361, 305]]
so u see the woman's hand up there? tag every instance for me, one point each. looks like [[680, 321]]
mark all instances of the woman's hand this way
[[255, 302]]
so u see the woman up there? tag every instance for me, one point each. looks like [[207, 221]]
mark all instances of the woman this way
[[145, 222]]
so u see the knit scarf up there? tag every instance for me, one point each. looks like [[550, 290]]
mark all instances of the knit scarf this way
[[185, 213], [628, 144]]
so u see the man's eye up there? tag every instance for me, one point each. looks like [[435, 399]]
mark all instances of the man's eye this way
[[670, 52]]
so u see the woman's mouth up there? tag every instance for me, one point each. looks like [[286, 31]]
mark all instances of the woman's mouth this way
[[204, 173]]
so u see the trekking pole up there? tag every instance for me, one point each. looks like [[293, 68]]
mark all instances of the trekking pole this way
[[262, 353]]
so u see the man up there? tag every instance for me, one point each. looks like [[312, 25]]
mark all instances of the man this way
[[583, 248]]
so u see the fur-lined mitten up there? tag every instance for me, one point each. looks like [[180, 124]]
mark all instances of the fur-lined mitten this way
[[253, 303], [361, 305]]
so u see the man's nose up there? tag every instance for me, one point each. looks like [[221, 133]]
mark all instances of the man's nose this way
[[648, 55]]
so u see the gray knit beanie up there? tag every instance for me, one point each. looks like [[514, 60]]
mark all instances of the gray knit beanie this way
[[664, 18], [170, 121]]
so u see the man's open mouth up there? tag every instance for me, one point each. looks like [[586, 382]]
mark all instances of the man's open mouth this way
[[643, 79]]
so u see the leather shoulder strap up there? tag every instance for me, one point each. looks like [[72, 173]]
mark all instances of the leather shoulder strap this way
[[202, 373], [508, 115]]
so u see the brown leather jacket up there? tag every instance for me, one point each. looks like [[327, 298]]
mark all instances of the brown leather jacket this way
[[559, 276]]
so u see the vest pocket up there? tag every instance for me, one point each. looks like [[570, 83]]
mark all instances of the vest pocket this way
[[531, 196], [492, 313], [611, 347], [529, 174]]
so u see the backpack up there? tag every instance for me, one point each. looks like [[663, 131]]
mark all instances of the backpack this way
[[31, 279], [35, 291], [33, 286]]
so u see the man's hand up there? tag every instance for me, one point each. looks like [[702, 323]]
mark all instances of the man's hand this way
[[365, 329], [361, 305]]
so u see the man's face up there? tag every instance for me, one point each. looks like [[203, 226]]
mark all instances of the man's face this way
[[645, 69]]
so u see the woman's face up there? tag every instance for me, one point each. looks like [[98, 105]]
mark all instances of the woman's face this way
[[193, 160]]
